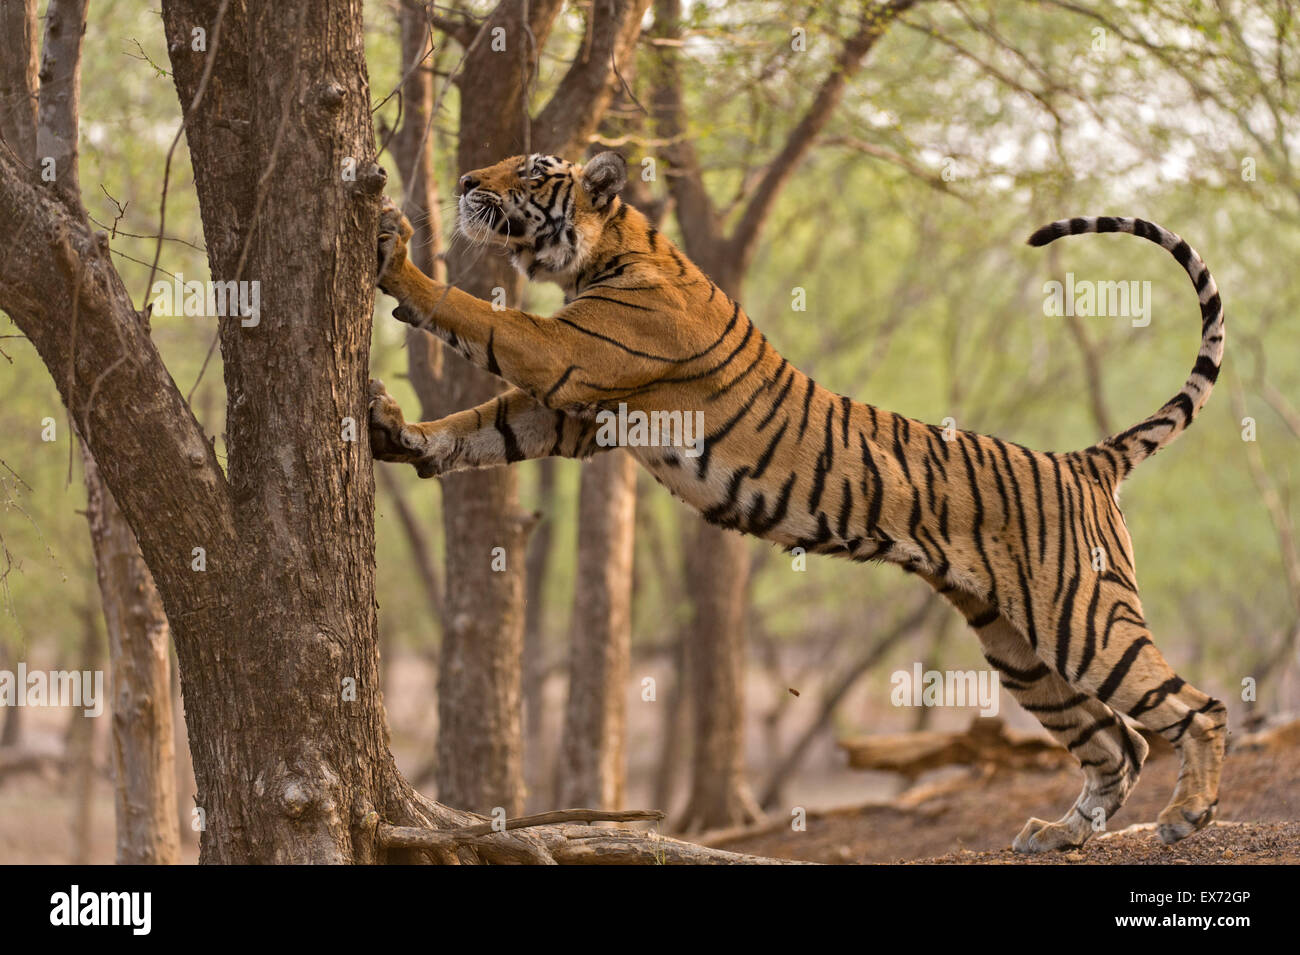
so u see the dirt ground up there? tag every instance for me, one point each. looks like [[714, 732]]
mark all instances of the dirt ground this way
[[974, 821], [968, 820]]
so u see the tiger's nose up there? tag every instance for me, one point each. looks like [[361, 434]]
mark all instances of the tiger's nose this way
[[467, 182]]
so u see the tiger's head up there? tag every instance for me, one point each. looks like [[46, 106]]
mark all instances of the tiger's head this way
[[547, 212]]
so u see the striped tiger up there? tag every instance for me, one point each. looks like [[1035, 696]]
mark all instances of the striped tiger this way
[[1009, 536]]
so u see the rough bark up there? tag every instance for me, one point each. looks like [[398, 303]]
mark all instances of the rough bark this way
[[592, 768], [185, 785], [138, 641], [18, 110], [60, 91], [287, 107]]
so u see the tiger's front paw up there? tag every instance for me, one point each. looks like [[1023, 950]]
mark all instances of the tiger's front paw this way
[[394, 231], [392, 439]]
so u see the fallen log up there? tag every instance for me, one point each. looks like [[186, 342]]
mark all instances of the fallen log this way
[[986, 741], [1271, 736]]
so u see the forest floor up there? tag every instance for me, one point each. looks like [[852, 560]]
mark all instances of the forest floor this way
[[954, 815], [969, 819], [972, 817]]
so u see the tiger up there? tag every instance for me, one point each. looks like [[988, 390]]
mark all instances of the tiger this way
[[1008, 536]]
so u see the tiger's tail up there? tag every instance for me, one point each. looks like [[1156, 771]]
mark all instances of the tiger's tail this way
[[1149, 436]]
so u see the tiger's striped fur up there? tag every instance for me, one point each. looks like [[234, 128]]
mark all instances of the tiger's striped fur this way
[[1006, 534]]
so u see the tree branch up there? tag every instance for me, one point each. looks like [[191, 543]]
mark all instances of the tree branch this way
[[586, 845], [60, 93], [873, 25], [409, 837], [462, 30], [696, 214], [59, 286], [572, 845], [569, 118], [905, 163], [17, 76], [488, 78]]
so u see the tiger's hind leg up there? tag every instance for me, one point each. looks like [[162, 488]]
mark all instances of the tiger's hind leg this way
[[1132, 676], [1110, 753]]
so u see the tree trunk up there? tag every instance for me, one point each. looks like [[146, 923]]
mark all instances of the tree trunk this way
[[717, 577], [717, 586], [479, 751], [534, 658], [138, 642], [18, 89], [592, 769], [80, 746], [278, 649], [480, 746], [185, 785], [11, 733]]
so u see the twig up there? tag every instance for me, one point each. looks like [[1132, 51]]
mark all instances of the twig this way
[[117, 216], [626, 88]]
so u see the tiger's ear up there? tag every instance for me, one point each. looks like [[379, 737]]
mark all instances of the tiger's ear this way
[[604, 177]]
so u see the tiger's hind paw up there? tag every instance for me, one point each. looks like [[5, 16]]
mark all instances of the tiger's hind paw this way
[[1178, 822], [1039, 835]]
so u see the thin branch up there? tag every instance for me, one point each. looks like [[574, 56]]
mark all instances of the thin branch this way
[[408, 837], [909, 166], [801, 138]]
